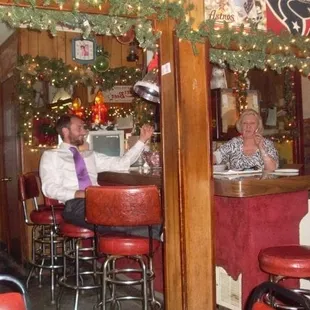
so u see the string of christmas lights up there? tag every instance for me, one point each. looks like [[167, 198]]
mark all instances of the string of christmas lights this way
[[240, 90], [287, 116], [31, 70], [283, 46]]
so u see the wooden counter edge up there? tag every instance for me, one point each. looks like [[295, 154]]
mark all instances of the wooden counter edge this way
[[248, 187], [259, 187]]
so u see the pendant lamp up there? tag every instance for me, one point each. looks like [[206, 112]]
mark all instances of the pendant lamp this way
[[148, 88]]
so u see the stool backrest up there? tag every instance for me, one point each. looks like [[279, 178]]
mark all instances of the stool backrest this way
[[255, 301], [123, 205], [14, 300], [28, 186], [29, 190]]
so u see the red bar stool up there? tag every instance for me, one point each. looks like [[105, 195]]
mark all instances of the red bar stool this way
[[283, 262], [257, 297], [125, 206], [76, 249], [44, 221], [14, 300]]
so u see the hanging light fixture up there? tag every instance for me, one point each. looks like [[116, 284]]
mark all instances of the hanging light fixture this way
[[132, 56], [61, 99], [148, 88]]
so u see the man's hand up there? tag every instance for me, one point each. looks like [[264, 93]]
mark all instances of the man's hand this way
[[79, 194], [146, 132]]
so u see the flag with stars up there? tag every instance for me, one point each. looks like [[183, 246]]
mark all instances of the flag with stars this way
[[290, 15]]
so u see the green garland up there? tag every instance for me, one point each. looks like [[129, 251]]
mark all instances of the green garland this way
[[259, 47], [241, 91], [246, 60], [255, 48], [33, 69], [143, 113]]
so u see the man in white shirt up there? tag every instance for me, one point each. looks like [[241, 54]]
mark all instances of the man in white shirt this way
[[59, 176]]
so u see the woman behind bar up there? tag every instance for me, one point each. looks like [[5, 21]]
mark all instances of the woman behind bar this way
[[250, 150]]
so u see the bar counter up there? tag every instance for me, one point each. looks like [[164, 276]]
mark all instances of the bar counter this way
[[251, 213], [243, 187]]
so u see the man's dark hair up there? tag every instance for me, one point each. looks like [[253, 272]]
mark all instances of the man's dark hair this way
[[64, 122]]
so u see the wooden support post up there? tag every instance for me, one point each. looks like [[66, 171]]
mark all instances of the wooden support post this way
[[187, 185]]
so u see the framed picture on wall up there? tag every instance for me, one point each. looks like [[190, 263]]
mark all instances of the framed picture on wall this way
[[84, 50], [224, 112]]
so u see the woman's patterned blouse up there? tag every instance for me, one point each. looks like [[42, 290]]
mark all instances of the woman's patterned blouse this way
[[231, 153]]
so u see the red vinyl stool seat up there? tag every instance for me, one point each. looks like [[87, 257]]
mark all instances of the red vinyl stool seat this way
[[78, 247], [283, 262], [125, 245], [289, 261], [44, 221], [131, 206], [44, 216]]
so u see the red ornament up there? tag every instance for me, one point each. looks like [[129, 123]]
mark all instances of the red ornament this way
[[99, 110], [127, 37], [77, 109]]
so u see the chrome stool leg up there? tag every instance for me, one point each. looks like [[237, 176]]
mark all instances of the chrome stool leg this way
[[111, 279], [76, 254]]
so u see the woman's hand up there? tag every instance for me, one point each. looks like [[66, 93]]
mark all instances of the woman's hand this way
[[146, 132], [259, 141]]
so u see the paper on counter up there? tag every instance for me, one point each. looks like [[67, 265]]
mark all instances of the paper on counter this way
[[233, 172]]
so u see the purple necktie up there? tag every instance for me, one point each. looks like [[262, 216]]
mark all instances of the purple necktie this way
[[80, 167]]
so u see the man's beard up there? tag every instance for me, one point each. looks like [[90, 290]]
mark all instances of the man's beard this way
[[76, 141]]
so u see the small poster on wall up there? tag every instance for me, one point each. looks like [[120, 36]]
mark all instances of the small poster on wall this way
[[118, 94], [237, 12]]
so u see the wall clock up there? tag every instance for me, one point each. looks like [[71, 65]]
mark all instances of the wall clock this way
[[84, 51]]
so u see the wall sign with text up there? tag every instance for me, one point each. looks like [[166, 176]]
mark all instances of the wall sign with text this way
[[237, 12], [119, 94]]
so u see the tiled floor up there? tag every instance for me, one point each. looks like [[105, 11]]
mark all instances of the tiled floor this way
[[40, 297]]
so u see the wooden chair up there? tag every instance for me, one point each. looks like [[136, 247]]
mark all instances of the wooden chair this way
[[14, 300]]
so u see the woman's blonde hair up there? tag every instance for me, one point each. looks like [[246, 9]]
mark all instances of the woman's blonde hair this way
[[260, 128]]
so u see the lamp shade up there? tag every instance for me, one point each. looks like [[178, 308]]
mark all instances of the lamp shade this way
[[148, 88], [62, 97]]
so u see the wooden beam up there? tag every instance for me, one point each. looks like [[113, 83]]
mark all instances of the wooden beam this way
[[174, 281], [188, 189]]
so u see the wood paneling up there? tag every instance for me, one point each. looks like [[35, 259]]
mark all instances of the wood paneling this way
[[8, 56], [61, 43], [47, 46], [44, 44], [33, 43]]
